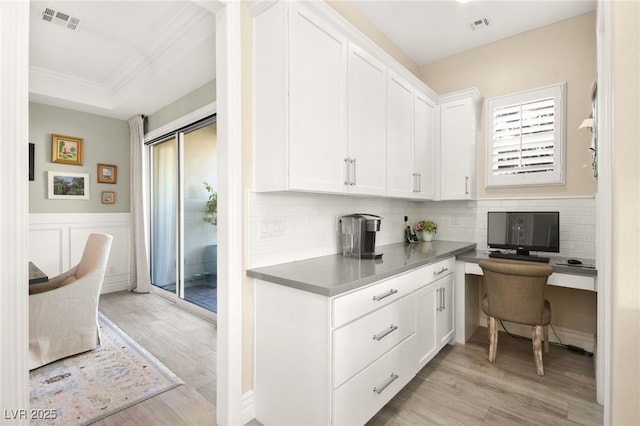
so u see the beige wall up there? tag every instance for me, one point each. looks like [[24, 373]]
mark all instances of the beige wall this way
[[345, 9], [565, 51], [625, 407]]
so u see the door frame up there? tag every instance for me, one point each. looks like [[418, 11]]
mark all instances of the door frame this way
[[14, 125]]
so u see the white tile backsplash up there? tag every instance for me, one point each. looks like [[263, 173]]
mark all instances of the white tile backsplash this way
[[290, 226]]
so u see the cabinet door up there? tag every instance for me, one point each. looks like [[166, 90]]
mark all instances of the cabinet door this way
[[426, 305], [424, 147], [446, 313], [457, 147], [367, 102], [318, 71], [399, 138]]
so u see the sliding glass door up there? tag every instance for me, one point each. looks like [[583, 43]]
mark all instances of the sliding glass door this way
[[184, 216]]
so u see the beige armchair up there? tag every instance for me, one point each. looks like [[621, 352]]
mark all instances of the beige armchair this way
[[515, 293], [63, 312]]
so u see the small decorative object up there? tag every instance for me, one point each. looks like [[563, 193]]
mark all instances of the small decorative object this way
[[66, 150], [427, 229], [68, 186], [107, 173], [211, 208], [108, 197]]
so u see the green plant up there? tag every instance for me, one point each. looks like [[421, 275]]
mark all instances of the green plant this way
[[427, 225], [211, 208]]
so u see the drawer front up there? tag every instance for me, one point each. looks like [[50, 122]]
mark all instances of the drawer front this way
[[363, 396], [360, 302], [435, 271], [361, 342]]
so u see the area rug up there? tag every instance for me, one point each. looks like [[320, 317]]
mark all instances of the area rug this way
[[90, 386]]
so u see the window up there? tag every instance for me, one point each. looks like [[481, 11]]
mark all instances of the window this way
[[526, 138]]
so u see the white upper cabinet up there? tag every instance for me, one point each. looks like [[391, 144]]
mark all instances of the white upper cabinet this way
[[300, 101], [400, 173], [318, 69], [410, 141], [329, 116], [367, 109], [458, 144], [424, 147]]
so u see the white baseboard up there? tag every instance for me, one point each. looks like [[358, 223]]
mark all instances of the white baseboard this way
[[113, 283], [583, 340], [248, 407]]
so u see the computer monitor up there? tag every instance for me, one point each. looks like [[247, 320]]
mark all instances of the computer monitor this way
[[524, 231]]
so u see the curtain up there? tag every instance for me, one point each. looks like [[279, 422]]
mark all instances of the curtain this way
[[139, 263], [164, 213]]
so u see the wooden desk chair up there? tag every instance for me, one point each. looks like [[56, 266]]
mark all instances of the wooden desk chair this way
[[515, 293]]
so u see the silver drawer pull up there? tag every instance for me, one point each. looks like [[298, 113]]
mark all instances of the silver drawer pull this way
[[393, 377], [441, 271], [387, 294], [381, 336]]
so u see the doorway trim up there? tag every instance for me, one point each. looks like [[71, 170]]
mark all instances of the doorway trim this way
[[230, 272]]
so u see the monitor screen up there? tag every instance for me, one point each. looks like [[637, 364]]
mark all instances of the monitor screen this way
[[524, 231]]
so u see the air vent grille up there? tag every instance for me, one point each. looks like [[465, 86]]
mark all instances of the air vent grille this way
[[60, 18], [479, 24]]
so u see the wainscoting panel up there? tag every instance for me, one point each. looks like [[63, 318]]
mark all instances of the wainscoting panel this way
[[56, 242]]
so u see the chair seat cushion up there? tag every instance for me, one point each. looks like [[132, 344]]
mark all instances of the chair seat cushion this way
[[546, 314]]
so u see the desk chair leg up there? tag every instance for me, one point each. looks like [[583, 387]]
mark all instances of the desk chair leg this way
[[546, 339], [493, 338], [536, 337]]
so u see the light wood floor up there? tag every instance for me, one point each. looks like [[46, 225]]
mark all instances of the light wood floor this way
[[185, 343], [460, 386]]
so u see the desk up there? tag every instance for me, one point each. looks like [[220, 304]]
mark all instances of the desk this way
[[36, 275], [468, 298]]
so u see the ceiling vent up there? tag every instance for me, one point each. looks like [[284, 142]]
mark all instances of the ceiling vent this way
[[479, 24], [60, 18]]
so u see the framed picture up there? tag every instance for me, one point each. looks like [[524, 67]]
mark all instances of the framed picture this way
[[68, 186], [108, 197], [107, 173], [66, 150]]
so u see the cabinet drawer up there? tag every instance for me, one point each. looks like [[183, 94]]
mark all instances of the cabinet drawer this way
[[363, 301], [361, 342], [361, 397], [435, 271]]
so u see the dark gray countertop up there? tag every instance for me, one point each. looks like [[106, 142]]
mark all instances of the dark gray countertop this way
[[336, 274], [558, 263]]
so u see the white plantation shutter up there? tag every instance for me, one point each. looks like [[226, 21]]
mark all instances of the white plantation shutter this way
[[525, 138]]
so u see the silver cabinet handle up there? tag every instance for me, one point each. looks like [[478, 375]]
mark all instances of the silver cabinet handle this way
[[443, 298], [439, 300], [382, 335], [393, 377], [419, 182], [414, 182], [387, 294], [466, 185], [441, 271], [353, 180], [347, 171]]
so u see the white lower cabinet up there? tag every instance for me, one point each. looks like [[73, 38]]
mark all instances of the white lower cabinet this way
[[363, 396], [434, 317], [338, 360]]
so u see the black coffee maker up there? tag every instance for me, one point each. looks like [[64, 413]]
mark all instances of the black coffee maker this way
[[359, 235]]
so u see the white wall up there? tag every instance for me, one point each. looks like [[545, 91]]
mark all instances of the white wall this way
[[285, 227], [56, 243]]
